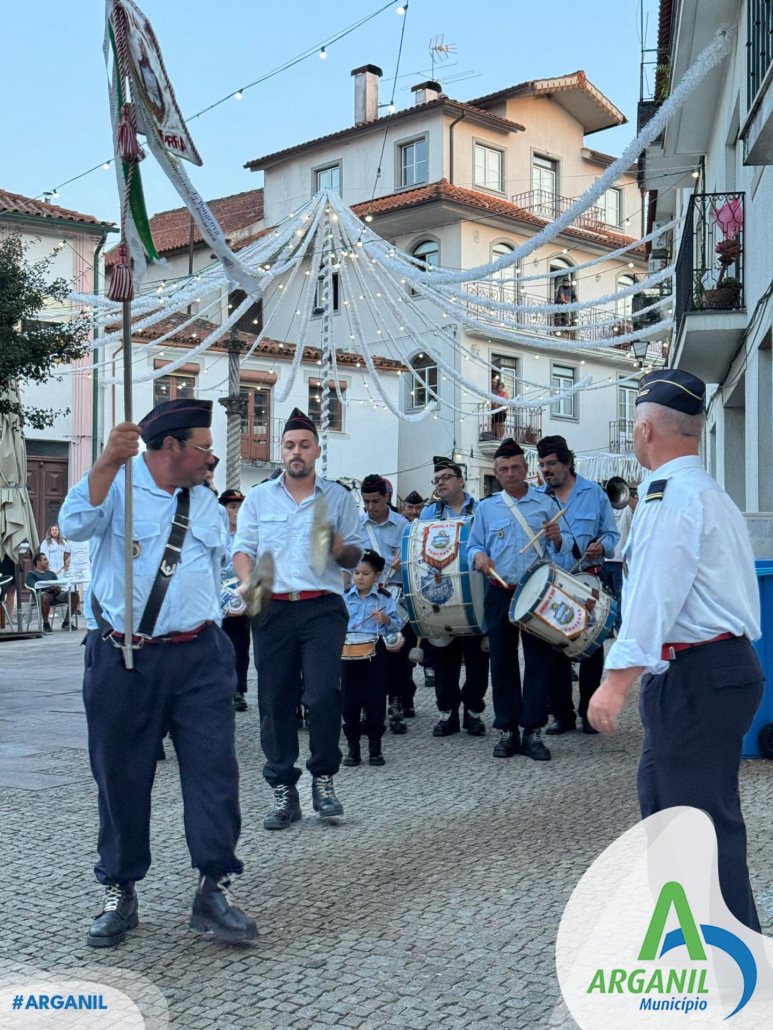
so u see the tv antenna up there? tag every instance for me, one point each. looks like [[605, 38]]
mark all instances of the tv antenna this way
[[440, 51]]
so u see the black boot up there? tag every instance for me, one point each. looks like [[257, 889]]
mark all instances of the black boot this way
[[287, 808], [409, 712], [374, 750], [324, 798], [473, 723], [214, 912], [354, 755], [559, 726], [240, 702], [396, 722], [447, 724], [118, 916], [509, 744], [533, 747], [587, 727]]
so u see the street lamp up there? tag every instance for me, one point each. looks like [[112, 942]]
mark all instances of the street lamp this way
[[640, 348]]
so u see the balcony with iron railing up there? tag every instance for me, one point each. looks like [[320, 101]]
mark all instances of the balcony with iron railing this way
[[524, 425], [549, 206], [261, 442], [709, 309], [621, 436]]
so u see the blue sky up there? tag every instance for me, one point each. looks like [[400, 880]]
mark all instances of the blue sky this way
[[54, 120]]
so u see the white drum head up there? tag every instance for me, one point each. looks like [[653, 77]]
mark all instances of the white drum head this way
[[531, 591]]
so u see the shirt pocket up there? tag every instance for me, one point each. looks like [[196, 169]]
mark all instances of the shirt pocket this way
[[273, 531], [498, 536], [200, 543], [144, 551], [584, 527]]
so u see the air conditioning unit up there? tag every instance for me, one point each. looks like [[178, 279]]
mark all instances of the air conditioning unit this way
[[656, 263], [661, 242]]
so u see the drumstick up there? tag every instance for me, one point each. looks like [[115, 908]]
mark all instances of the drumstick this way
[[495, 574], [542, 531], [369, 616]]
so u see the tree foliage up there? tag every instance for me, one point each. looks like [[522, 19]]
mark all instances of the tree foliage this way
[[31, 348]]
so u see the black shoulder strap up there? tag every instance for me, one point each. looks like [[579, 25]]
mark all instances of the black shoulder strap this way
[[171, 559], [576, 553], [656, 490]]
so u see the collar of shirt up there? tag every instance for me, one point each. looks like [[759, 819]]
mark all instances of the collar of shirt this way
[[439, 507], [352, 591], [393, 517], [671, 468]]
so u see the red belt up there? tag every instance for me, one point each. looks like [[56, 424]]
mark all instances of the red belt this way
[[299, 595], [594, 570], [172, 638], [496, 583], [669, 651]]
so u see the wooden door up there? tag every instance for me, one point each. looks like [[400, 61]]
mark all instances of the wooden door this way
[[256, 422], [47, 487]]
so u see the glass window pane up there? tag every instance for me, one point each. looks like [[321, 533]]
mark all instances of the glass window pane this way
[[414, 162], [329, 178]]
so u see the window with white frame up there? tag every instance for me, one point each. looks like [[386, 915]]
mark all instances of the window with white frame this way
[[504, 279], [624, 305], [544, 183], [329, 178], [507, 375], [422, 383], [611, 205], [320, 296], [428, 253], [564, 378], [489, 166], [413, 162]]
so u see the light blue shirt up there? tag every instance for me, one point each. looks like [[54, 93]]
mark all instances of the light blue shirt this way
[[440, 510], [193, 596], [590, 517], [691, 573], [271, 520], [388, 538], [497, 533], [361, 610]]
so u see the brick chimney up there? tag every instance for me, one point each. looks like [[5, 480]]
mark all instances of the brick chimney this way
[[426, 91], [366, 93]]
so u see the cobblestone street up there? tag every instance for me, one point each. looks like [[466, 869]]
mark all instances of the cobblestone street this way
[[435, 905]]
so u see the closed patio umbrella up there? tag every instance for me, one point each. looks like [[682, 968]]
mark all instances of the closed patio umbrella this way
[[17, 523]]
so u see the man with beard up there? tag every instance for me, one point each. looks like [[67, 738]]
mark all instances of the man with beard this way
[[591, 520], [453, 503], [299, 642]]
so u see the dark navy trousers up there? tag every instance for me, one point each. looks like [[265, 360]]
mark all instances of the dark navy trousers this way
[[188, 689], [237, 629], [300, 637], [511, 706], [448, 672], [364, 685], [695, 716], [591, 672]]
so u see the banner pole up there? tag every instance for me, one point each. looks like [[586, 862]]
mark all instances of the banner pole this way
[[128, 415]]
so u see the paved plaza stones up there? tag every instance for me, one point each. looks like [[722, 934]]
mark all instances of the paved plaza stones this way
[[434, 907]]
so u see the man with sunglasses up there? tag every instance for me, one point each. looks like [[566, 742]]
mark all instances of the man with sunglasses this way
[[183, 678], [591, 520], [454, 502]]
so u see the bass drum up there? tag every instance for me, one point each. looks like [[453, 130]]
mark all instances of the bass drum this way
[[442, 597]]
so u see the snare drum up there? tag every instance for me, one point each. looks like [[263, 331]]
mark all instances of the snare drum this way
[[551, 603], [231, 601], [442, 597], [359, 646]]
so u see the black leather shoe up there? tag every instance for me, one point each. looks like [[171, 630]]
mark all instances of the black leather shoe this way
[[509, 744], [429, 678], [376, 758], [118, 916], [557, 727], [214, 912], [448, 724], [396, 722], [323, 797], [533, 747], [287, 808], [409, 712], [354, 755], [240, 702], [587, 728], [474, 725]]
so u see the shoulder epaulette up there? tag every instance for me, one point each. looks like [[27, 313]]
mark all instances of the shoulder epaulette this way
[[655, 490], [384, 591]]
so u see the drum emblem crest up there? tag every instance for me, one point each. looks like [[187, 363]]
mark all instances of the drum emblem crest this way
[[441, 545], [563, 613], [436, 589]]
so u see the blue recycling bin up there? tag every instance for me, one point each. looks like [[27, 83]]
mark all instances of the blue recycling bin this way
[[758, 742]]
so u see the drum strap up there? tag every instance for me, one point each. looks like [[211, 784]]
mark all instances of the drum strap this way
[[518, 515]]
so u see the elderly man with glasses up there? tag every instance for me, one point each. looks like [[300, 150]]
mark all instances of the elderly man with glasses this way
[[454, 502]]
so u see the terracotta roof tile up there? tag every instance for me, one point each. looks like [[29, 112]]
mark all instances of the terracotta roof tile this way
[[202, 327], [171, 229], [15, 203], [455, 105], [556, 84], [443, 190]]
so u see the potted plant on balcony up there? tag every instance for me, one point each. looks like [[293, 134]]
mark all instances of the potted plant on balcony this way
[[727, 293]]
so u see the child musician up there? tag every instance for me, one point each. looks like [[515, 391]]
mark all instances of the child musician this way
[[364, 681]]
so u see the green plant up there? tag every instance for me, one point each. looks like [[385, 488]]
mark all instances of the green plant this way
[[30, 348]]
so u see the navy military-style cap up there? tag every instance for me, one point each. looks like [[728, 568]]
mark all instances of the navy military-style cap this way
[[171, 416], [443, 464], [374, 559], [414, 497], [299, 420], [227, 496], [673, 388]]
